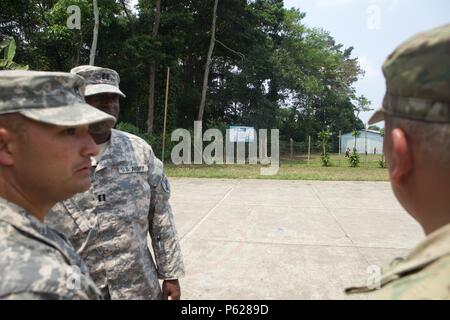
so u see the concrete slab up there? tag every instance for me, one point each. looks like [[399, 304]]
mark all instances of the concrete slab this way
[[379, 228], [266, 224], [200, 190], [242, 270], [355, 194], [274, 193], [187, 215], [271, 239]]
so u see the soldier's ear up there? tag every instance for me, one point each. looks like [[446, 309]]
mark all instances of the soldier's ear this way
[[6, 139], [401, 160]]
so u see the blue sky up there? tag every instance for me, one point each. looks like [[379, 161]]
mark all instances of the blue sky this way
[[374, 28]]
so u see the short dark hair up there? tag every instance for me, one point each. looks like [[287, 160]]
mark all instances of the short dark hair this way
[[14, 122]]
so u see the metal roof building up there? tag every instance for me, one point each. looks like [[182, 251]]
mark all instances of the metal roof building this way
[[368, 140]]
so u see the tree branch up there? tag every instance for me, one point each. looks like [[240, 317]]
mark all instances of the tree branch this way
[[236, 52]]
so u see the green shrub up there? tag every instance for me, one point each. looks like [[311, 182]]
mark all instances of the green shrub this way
[[128, 127], [354, 159], [382, 162], [325, 158], [154, 140]]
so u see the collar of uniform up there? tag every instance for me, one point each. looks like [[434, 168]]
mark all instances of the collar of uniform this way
[[22, 220], [115, 154], [435, 246]]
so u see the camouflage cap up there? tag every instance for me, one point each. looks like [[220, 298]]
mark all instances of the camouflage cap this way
[[418, 79], [49, 97], [99, 80]]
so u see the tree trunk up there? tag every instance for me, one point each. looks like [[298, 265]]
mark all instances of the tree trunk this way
[[94, 39], [208, 63], [77, 54], [124, 6], [152, 71]]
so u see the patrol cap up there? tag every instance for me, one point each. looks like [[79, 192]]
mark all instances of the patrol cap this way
[[418, 79], [50, 97], [99, 80]]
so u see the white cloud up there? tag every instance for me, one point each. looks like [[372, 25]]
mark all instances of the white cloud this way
[[333, 3], [368, 66], [391, 5]]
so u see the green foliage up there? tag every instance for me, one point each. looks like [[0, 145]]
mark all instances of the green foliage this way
[[9, 47], [130, 128], [356, 134], [154, 140], [9, 51], [354, 159], [363, 104], [382, 162], [289, 170], [325, 158], [269, 69]]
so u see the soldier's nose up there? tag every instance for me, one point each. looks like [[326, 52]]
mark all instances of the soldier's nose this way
[[90, 148]]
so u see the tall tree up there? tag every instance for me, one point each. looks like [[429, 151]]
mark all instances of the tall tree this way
[[363, 105], [95, 35], [152, 69], [268, 69], [208, 63]]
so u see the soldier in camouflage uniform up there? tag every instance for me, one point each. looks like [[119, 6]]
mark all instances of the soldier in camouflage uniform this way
[[128, 200], [45, 151], [416, 110]]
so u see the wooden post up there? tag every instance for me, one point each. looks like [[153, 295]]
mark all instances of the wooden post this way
[[340, 146], [309, 148], [365, 159], [165, 113], [291, 141]]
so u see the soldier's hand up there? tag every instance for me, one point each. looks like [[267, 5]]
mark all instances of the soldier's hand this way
[[171, 290]]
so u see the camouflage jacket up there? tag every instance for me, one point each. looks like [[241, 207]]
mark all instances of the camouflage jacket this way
[[424, 274], [38, 263], [109, 224]]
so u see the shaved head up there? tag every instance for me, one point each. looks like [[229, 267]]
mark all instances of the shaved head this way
[[432, 139]]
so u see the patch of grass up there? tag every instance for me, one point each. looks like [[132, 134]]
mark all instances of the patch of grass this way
[[297, 169]]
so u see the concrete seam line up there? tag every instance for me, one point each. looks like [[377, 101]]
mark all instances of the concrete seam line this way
[[299, 244], [341, 227], [206, 216]]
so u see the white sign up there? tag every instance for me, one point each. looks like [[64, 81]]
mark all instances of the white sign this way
[[242, 134]]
